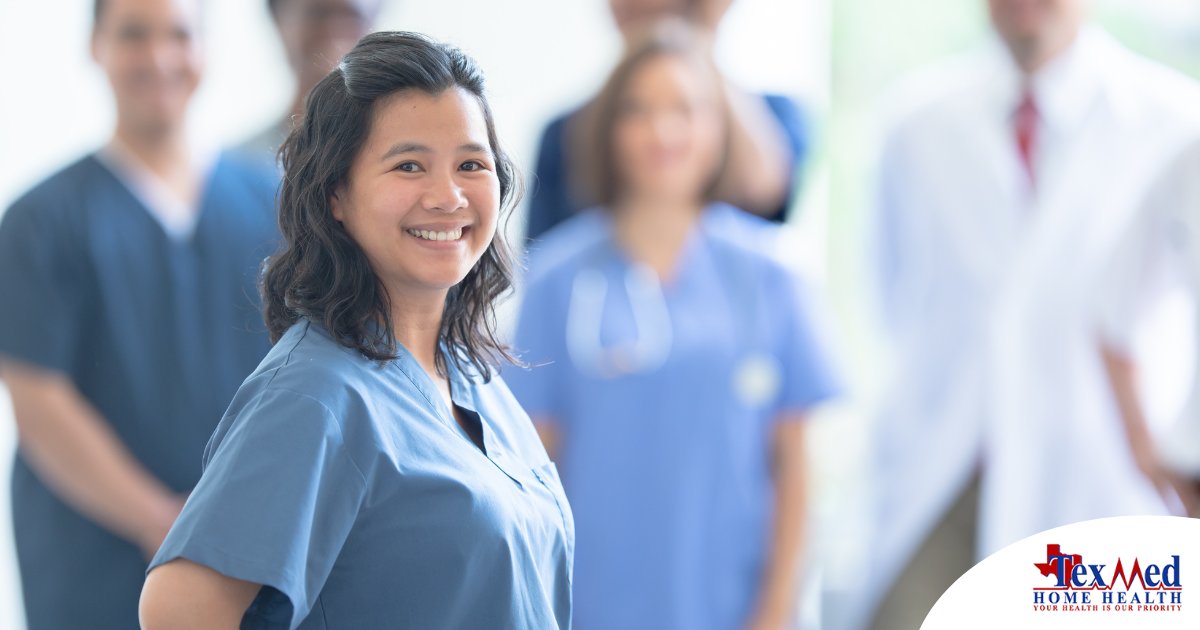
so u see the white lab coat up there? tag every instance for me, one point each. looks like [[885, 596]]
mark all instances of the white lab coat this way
[[1181, 197], [987, 289], [1164, 243]]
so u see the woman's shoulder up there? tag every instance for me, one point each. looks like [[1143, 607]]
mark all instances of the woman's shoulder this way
[[561, 247], [752, 244], [309, 361], [745, 235], [307, 382]]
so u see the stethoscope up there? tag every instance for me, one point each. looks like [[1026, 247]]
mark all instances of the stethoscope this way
[[757, 376]]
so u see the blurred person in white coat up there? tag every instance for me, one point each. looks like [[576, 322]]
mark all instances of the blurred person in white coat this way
[[1006, 178], [1160, 252]]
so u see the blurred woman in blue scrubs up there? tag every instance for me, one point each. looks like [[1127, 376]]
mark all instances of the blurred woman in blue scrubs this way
[[374, 472], [674, 362], [768, 134], [129, 317]]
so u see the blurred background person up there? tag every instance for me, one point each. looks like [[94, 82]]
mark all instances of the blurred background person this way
[[1159, 250], [316, 34], [768, 136], [1000, 186], [674, 363], [128, 280]]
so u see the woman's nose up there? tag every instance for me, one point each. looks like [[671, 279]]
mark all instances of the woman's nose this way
[[444, 194]]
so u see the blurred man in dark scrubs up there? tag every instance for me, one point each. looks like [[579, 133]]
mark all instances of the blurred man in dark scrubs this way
[[129, 319]]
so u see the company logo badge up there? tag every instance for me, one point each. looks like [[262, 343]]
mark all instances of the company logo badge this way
[[1069, 583]]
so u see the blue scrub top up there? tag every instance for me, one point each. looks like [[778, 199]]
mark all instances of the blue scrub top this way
[[346, 487], [667, 469], [156, 333], [552, 201]]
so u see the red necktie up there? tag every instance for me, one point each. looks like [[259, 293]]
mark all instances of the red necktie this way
[[1025, 125]]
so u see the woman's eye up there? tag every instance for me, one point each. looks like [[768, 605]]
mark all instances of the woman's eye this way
[[630, 110], [473, 165], [408, 167], [133, 33]]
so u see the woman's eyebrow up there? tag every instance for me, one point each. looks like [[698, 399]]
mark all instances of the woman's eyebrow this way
[[473, 147], [413, 147], [405, 147]]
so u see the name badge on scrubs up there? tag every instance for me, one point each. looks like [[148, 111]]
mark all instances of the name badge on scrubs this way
[[757, 379]]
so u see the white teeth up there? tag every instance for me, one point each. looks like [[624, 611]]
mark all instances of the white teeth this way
[[429, 235]]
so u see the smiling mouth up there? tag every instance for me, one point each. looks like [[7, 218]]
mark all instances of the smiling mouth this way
[[430, 235]]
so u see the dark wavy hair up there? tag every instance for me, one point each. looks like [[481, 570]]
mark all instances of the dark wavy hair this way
[[320, 273]]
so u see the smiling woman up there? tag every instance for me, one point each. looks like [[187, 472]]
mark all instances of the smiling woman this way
[[424, 209], [431, 163], [372, 472]]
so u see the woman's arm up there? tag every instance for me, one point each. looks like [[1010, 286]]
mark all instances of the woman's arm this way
[[183, 595], [759, 171], [76, 453], [781, 580], [758, 174]]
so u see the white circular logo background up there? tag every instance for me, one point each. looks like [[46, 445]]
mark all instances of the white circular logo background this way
[[1082, 576]]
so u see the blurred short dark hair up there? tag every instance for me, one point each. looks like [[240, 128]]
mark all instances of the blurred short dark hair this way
[[274, 5]]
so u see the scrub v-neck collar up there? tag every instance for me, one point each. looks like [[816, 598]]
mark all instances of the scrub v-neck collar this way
[[463, 395], [177, 218], [681, 268]]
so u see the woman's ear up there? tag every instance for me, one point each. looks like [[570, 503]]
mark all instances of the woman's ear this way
[[335, 207], [94, 46]]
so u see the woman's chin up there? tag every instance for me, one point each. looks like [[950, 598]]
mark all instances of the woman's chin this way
[[435, 282]]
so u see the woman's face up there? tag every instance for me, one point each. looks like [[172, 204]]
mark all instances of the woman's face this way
[[629, 14], [669, 131], [423, 196], [149, 51]]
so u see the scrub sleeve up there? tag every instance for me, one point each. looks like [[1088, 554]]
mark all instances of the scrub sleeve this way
[[276, 507]]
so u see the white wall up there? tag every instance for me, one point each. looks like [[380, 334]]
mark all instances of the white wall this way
[[540, 56]]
